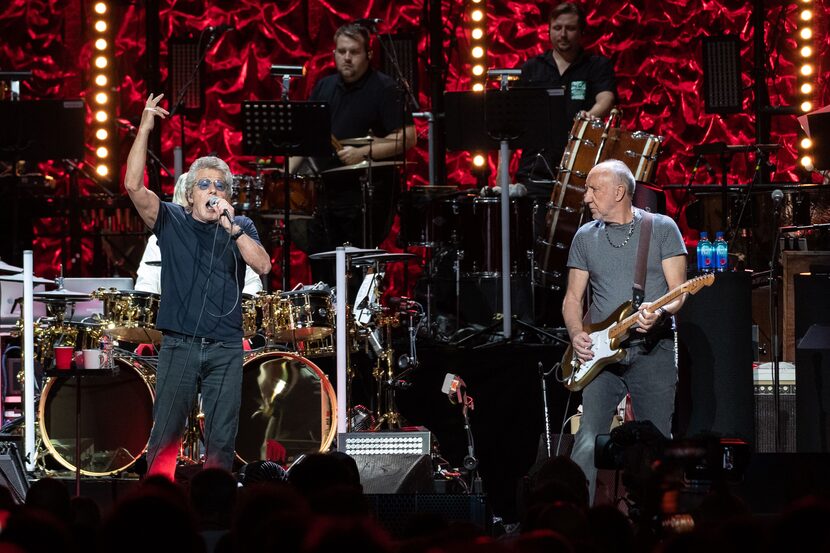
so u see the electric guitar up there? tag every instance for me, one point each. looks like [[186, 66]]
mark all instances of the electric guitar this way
[[607, 336]]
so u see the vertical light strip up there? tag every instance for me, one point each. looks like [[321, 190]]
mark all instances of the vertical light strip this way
[[101, 101], [806, 73], [477, 20]]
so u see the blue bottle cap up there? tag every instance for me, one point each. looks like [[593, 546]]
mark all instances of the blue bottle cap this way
[[703, 234], [719, 234]]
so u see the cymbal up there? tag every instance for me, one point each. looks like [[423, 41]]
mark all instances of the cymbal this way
[[350, 250], [364, 140], [61, 294], [10, 268], [392, 257], [19, 278], [365, 165]]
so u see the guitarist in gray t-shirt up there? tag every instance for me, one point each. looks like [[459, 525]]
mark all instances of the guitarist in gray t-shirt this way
[[603, 255]]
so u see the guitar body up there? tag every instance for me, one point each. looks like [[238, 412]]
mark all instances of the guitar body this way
[[607, 336], [606, 350]]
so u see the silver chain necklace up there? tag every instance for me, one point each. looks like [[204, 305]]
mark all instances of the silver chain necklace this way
[[627, 238]]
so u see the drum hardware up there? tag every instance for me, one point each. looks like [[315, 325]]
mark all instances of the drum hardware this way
[[130, 315]]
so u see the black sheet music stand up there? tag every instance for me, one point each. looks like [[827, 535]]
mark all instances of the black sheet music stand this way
[[286, 129], [42, 130]]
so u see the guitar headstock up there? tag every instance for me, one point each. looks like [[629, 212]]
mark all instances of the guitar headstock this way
[[692, 286]]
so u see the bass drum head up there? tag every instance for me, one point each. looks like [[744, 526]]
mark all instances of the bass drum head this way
[[288, 408], [115, 420]]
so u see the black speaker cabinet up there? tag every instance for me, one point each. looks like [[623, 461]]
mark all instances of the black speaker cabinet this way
[[395, 473], [12, 473], [714, 328], [812, 366], [765, 417], [395, 512]]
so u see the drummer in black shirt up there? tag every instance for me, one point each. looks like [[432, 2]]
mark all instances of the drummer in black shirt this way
[[362, 102], [587, 81]]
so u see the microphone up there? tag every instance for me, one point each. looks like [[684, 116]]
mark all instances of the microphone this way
[[219, 29], [212, 201], [777, 196], [368, 22]]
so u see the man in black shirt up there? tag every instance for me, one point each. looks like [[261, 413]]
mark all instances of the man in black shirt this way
[[587, 81], [362, 101]]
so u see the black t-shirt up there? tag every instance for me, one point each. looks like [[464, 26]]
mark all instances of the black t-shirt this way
[[372, 103], [586, 77], [202, 271]]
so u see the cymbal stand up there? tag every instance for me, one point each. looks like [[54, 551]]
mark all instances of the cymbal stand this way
[[388, 383], [190, 452], [368, 188]]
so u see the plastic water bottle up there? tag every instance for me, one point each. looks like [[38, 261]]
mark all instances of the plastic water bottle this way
[[704, 254], [721, 253]]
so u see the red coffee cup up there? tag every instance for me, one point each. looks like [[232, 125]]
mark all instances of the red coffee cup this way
[[63, 357]]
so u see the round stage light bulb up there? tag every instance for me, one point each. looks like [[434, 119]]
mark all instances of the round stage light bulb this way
[[101, 44], [478, 70], [806, 69], [806, 143], [477, 15], [478, 160], [100, 26], [806, 88], [101, 80], [478, 87], [102, 152], [806, 106], [806, 33], [806, 15], [806, 52], [477, 33], [101, 98], [100, 8], [102, 170], [478, 52], [100, 62], [807, 163], [100, 116], [101, 134]]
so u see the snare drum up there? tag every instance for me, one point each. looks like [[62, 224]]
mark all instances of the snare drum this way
[[302, 194], [247, 193], [303, 315], [479, 227], [130, 315]]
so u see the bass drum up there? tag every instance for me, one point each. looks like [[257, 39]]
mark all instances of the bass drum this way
[[115, 420], [288, 408]]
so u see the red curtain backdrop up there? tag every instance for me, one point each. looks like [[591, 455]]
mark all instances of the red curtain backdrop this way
[[656, 47]]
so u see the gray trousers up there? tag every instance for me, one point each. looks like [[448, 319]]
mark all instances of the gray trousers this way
[[651, 379], [184, 365]]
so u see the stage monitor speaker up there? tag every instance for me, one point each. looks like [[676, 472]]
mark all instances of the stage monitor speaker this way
[[812, 366], [395, 473], [12, 475], [714, 329], [416, 442], [397, 513]]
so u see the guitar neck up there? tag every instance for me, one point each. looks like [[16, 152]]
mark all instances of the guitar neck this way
[[622, 327]]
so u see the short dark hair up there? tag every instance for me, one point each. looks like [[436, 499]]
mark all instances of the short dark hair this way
[[354, 32], [568, 8]]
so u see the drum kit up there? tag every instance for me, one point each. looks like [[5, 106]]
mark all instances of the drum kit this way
[[466, 227], [288, 403]]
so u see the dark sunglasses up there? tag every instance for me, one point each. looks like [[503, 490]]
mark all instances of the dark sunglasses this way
[[204, 184]]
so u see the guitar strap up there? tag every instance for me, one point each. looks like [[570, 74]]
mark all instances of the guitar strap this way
[[639, 288]]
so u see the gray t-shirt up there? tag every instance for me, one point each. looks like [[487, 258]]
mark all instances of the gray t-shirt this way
[[612, 269]]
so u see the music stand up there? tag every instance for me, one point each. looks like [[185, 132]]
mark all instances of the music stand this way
[[42, 130], [288, 129], [819, 124]]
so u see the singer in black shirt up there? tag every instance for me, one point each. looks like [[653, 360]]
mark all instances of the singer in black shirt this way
[[204, 251]]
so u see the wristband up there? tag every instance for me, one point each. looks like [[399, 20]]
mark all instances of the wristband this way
[[235, 236]]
